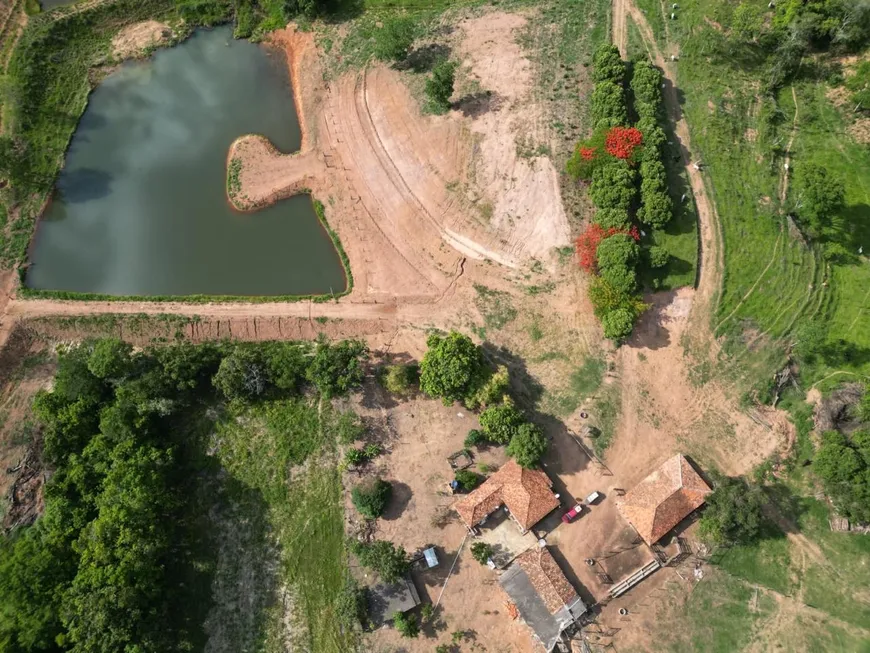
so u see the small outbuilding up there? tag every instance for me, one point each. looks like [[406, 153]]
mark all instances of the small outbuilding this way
[[386, 599]]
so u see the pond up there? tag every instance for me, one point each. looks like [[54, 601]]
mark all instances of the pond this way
[[141, 208]]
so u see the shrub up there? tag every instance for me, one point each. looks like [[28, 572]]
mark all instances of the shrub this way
[[658, 256], [400, 379], [481, 551], [371, 497], [439, 87], [394, 38], [350, 605], [242, 375], [453, 368], [528, 446], [406, 624], [474, 438], [354, 457], [618, 323], [733, 513], [843, 465], [821, 195], [468, 480], [500, 421], [388, 560], [493, 390]]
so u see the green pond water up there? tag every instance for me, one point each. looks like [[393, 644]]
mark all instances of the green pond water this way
[[140, 207]]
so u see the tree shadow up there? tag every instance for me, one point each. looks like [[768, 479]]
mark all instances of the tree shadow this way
[[651, 331], [477, 104], [399, 499], [424, 58]]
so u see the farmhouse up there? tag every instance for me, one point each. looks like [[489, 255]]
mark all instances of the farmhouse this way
[[526, 493], [543, 596], [664, 498]]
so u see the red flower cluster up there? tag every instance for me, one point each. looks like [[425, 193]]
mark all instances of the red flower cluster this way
[[622, 141], [587, 153], [587, 244]]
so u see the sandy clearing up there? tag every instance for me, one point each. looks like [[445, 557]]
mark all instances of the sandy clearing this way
[[134, 39]]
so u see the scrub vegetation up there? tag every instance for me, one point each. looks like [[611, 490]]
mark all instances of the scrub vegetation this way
[[150, 452]]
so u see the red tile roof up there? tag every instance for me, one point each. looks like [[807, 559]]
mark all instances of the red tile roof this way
[[547, 578], [664, 498], [527, 493]]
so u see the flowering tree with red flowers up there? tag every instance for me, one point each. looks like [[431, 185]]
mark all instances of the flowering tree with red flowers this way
[[623, 142], [587, 244]]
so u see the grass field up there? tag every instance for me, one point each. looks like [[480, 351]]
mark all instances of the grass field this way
[[283, 473], [772, 280]]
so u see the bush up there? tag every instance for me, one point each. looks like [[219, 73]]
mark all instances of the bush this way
[[388, 560], [453, 368], [439, 87], [474, 438], [492, 391], [394, 39], [371, 497], [406, 624], [843, 465], [605, 298], [400, 379], [501, 421], [528, 446], [658, 256], [242, 375], [350, 606], [617, 324], [733, 513], [481, 551], [468, 480], [821, 195]]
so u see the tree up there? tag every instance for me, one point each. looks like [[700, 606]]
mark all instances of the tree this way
[[613, 186], [452, 368], [619, 250], [493, 390], [646, 83], [338, 368], [371, 497], [605, 298], [733, 513], [843, 465], [607, 64], [393, 40], [481, 551], [656, 209], [439, 87], [613, 218], [820, 195], [474, 438], [285, 364], [618, 323], [388, 560], [110, 359], [528, 446], [242, 375], [406, 624], [607, 105], [501, 421], [658, 256]]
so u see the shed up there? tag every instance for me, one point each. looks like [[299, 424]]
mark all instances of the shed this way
[[386, 599]]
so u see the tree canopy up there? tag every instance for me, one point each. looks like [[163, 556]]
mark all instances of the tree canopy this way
[[528, 445], [733, 513], [453, 368], [843, 465], [439, 87], [820, 195], [385, 558], [500, 422], [371, 497]]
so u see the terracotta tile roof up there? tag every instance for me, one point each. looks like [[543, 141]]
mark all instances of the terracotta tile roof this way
[[527, 493], [547, 578], [664, 498]]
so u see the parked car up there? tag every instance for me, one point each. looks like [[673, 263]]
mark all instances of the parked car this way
[[592, 498], [572, 514]]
